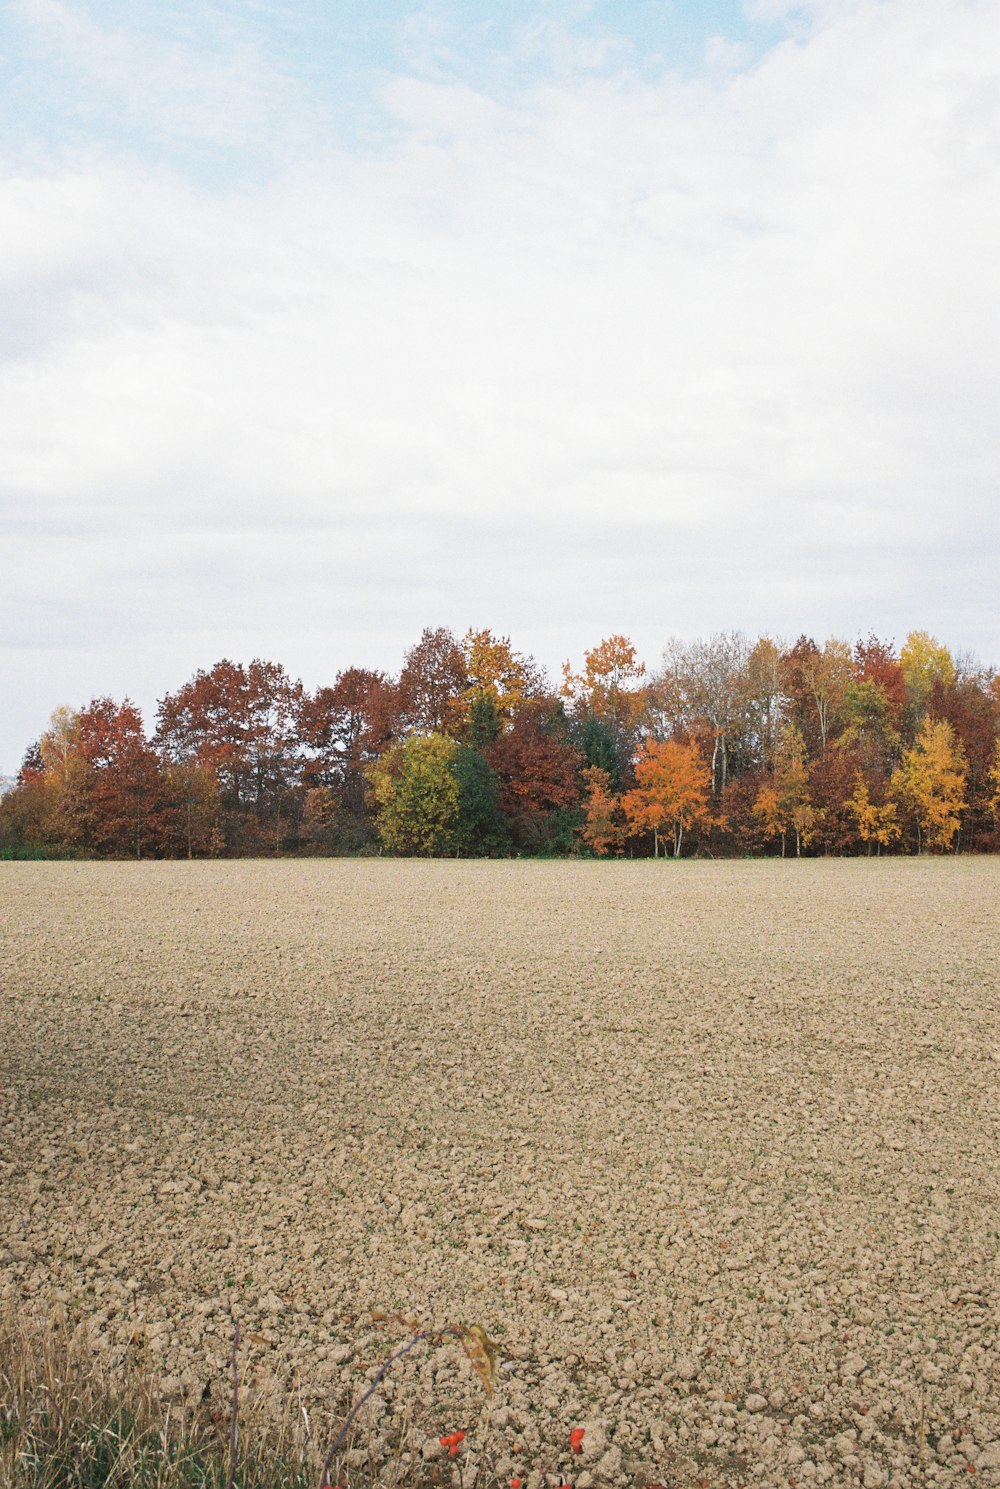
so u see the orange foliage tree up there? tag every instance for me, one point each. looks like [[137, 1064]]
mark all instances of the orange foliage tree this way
[[673, 784], [609, 688], [604, 827]]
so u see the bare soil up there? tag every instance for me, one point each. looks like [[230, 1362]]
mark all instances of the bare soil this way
[[711, 1150]]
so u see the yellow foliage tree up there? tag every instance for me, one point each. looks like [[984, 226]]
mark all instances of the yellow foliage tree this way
[[767, 810], [496, 671], [63, 777], [828, 675], [784, 806], [994, 778], [925, 661], [929, 783], [418, 795], [876, 824]]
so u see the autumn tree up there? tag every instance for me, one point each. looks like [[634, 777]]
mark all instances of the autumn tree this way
[[971, 707], [433, 684], [604, 826], [344, 729], [59, 778], [869, 723], [123, 793], [496, 671], [539, 773], [818, 679], [784, 805], [763, 700], [877, 822], [93, 784], [204, 723], [607, 702], [993, 777], [876, 662], [924, 662], [191, 825], [770, 817], [326, 827], [929, 784], [41, 813], [242, 723], [673, 785], [830, 825], [703, 689], [417, 795]]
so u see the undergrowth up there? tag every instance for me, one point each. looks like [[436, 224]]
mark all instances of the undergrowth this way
[[65, 1423]]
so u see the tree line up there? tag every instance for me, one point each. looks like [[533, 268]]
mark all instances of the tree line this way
[[729, 746]]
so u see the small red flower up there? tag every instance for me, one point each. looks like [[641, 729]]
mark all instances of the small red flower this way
[[452, 1442], [576, 1439], [515, 1484]]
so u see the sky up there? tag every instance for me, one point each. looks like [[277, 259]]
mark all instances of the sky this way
[[322, 323]]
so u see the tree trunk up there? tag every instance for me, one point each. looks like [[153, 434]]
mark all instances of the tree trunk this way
[[656, 844]]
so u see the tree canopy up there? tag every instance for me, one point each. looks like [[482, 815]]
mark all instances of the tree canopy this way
[[729, 745]]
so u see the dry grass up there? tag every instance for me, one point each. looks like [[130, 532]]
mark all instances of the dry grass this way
[[65, 1424]]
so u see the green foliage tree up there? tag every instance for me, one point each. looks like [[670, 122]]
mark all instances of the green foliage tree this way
[[483, 723], [601, 748], [418, 796], [481, 829]]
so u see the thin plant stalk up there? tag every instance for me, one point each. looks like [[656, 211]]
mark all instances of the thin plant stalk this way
[[233, 1415], [452, 1330]]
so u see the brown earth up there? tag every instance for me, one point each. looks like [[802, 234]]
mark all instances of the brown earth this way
[[711, 1150]]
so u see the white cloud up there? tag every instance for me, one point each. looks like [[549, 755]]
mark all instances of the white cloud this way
[[599, 354]]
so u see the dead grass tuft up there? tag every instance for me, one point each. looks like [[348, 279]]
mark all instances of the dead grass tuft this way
[[67, 1423]]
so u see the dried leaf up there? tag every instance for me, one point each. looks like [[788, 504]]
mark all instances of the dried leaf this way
[[483, 1355]]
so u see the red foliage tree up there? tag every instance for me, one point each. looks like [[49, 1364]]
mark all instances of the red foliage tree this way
[[876, 661], [538, 769], [242, 723], [432, 685], [122, 798], [346, 728]]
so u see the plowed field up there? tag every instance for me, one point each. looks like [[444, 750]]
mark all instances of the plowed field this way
[[711, 1150]]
